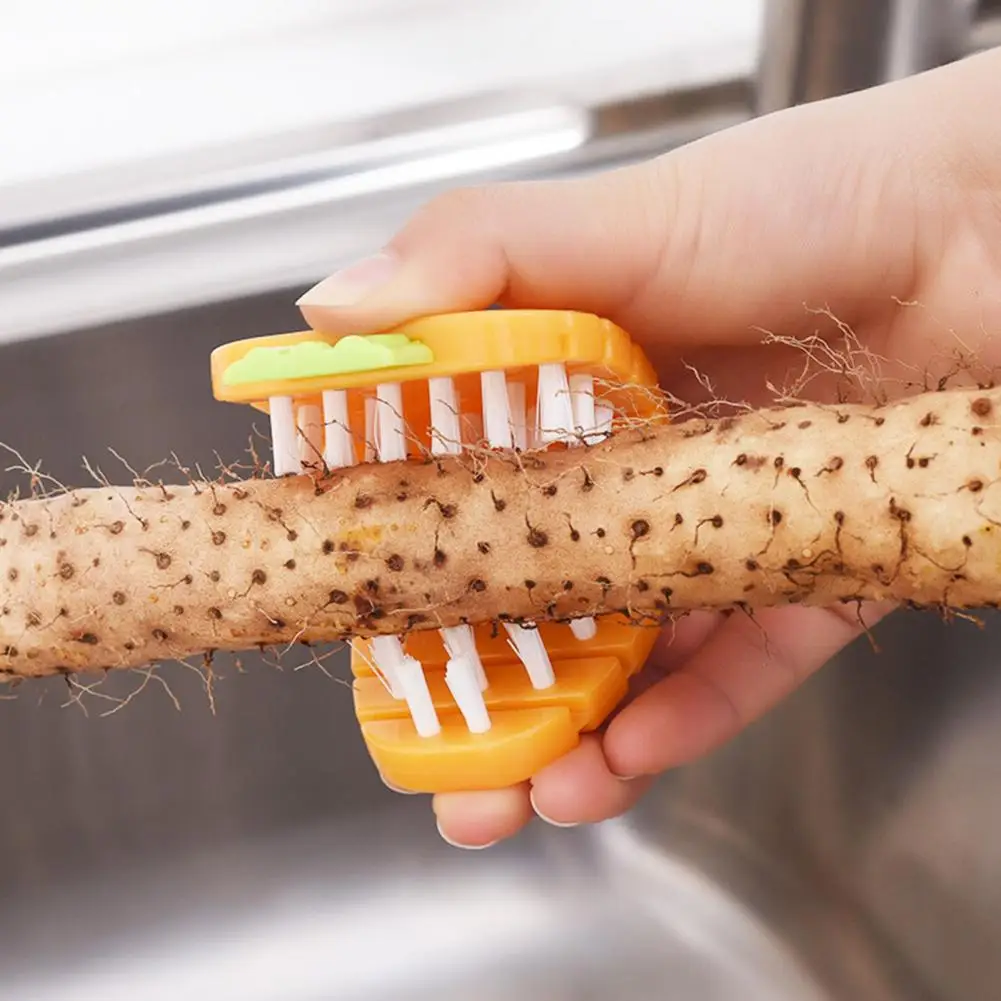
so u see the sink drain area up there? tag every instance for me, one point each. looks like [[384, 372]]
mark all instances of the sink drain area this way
[[354, 911]]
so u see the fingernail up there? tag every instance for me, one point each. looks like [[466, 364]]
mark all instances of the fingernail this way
[[548, 820], [392, 788], [623, 777], [457, 844], [353, 283]]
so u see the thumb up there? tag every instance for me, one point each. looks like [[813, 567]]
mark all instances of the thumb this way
[[700, 246], [590, 245]]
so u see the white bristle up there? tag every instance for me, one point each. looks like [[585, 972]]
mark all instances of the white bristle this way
[[446, 439], [554, 409], [339, 446], [532, 652], [384, 435], [603, 416], [527, 643], [446, 431], [284, 446], [460, 643], [460, 676], [387, 651], [496, 410], [582, 403], [370, 404], [519, 417], [390, 432], [309, 420], [415, 690]]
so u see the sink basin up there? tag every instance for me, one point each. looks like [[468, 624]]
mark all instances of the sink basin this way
[[158, 843]]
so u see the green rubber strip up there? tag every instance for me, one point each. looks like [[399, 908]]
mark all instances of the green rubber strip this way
[[312, 359]]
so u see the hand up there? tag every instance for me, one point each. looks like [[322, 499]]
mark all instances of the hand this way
[[883, 208]]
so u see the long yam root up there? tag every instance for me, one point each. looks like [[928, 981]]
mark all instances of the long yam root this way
[[811, 504]]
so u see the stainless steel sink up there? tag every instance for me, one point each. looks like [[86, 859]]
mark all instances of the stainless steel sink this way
[[158, 844]]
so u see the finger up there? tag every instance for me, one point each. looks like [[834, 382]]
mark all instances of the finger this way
[[679, 640], [573, 790], [579, 788], [481, 819], [676, 643], [742, 671]]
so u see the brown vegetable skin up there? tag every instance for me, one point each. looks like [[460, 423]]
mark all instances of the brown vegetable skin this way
[[803, 504]]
